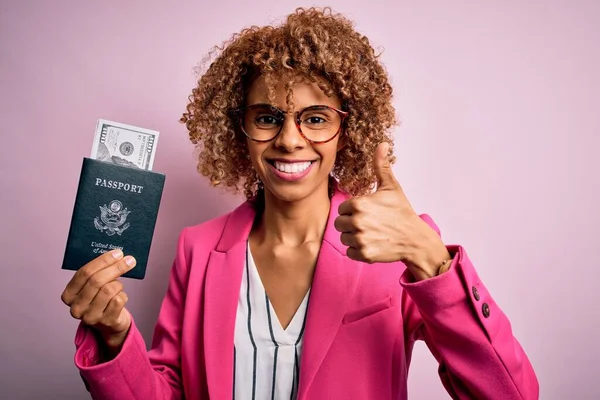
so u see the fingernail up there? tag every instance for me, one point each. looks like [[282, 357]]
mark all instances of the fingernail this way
[[130, 261], [117, 254]]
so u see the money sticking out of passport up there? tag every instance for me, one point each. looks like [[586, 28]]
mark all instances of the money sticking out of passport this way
[[126, 145], [118, 197]]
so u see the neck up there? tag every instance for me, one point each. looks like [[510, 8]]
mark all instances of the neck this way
[[294, 223]]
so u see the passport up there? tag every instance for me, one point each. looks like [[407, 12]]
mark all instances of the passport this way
[[115, 208]]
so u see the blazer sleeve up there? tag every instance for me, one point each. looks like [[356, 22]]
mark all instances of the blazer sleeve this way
[[136, 373], [468, 334]]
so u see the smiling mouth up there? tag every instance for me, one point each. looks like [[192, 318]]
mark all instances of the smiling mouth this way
[[290, 167]]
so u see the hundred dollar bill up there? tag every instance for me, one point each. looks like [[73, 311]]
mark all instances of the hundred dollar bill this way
[[125, 145]]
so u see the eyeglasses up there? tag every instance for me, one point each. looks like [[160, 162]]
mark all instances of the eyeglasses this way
[[316, 124]]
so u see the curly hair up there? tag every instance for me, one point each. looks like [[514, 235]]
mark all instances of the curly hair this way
[[314, 45]]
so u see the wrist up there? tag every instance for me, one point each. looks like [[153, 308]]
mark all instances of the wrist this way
[[430, 262], [112, 344]]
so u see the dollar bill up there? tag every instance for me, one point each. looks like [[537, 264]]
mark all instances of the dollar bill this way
[[125, 145]]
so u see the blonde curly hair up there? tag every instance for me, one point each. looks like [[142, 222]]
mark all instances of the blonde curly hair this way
[[312, 44]]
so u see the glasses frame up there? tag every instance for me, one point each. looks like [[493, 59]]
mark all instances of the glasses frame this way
[[239, 113]]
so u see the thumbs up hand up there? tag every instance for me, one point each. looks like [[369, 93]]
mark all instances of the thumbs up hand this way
[[383, 227]]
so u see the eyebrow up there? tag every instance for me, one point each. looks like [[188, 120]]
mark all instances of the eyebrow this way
[[263, 104], [279, 109]]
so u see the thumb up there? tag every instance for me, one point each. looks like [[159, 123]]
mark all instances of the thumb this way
[[383, 168]]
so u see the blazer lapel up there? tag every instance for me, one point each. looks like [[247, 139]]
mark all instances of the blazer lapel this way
[[223, 280], [334, 282]]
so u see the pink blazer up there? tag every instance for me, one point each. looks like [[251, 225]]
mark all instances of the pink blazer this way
[[362, 323]]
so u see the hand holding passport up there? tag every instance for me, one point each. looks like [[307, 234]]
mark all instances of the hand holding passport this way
[[96, 297], [117, 198]]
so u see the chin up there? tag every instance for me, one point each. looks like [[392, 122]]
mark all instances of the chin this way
[[290, 193]]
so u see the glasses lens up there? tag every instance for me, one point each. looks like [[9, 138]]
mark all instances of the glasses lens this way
[[320, 123], [262, 122]]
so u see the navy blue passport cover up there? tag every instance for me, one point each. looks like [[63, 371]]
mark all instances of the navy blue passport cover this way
[[115, 207]]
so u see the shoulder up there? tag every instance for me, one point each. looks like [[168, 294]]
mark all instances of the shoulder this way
[[211, 228], [207, 235]]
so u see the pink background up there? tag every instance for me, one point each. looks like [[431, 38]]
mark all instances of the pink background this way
[[499, 143]]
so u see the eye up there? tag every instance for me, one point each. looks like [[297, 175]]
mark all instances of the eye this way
[[266, 120], [314, 120]]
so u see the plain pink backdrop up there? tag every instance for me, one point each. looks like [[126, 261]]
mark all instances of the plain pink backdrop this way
[[499, 142]]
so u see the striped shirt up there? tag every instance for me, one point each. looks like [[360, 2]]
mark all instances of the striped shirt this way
[[266, 357]]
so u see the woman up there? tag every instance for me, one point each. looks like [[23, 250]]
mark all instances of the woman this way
[[318, 286]]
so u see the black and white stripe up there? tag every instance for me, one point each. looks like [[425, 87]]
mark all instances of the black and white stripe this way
[[266, 357], [268, 308], [254, 355]]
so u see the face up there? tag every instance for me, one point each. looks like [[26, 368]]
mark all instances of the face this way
[[290, 167]]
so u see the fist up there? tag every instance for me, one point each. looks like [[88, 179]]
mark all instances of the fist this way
[[96, 297]]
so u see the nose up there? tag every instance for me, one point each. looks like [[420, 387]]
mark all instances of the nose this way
[[289, 138]]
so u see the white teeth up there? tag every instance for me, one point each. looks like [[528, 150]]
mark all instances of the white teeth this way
[[292, 168]]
